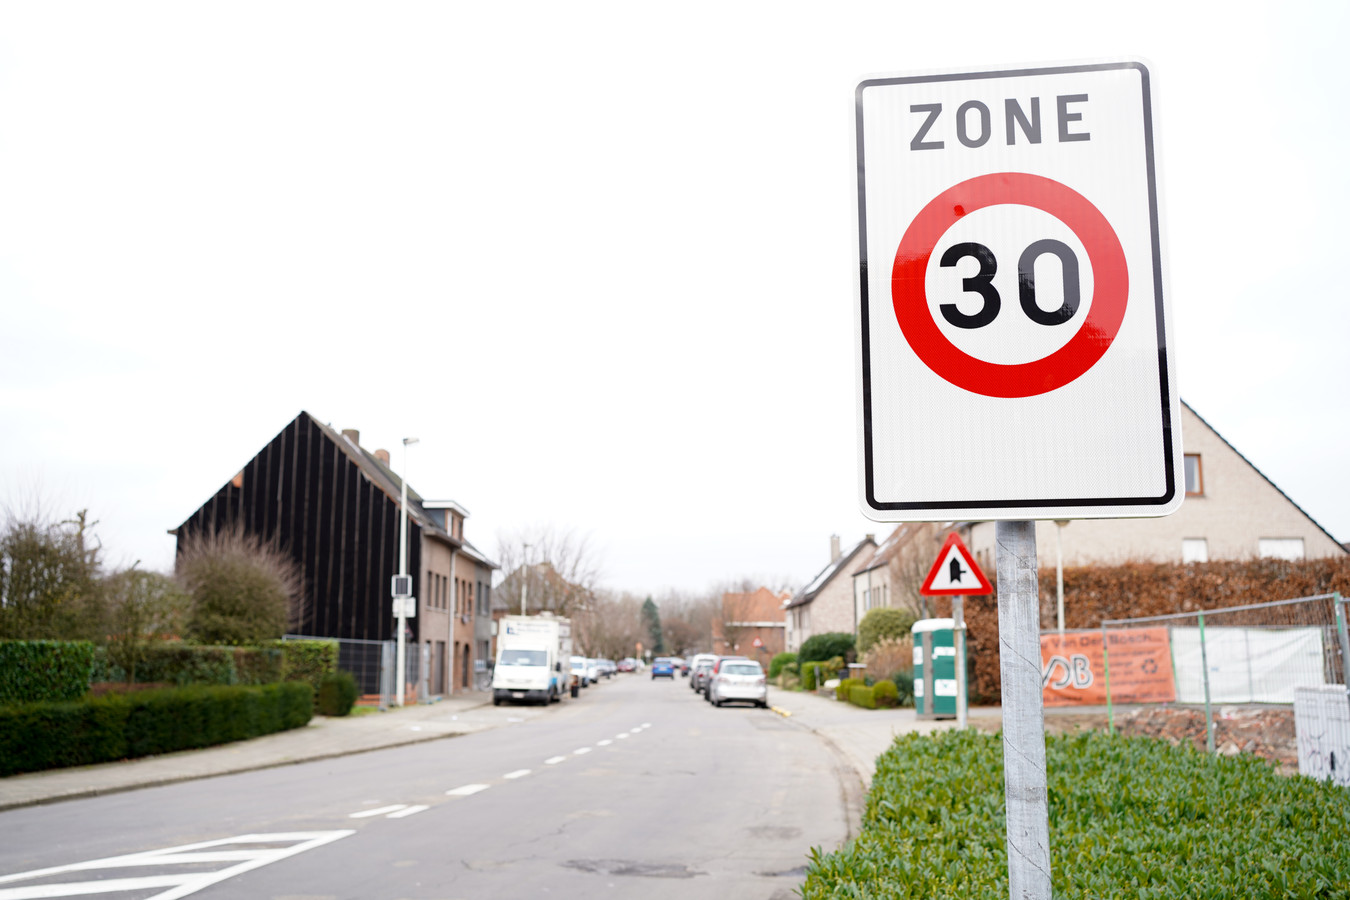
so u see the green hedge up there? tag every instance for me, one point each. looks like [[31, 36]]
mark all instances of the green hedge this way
[[862, 695], [779, 660], [1129, 818], [308, 661], [845, 685], [886, 694], [36, 671], [37, 736], [173, 662], [820, 647], [337, 694]]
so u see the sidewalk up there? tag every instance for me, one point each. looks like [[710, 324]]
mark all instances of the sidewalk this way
[[320, 739], [861, 735]]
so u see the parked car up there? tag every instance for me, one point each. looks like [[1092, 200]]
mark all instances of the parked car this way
[[663, 667], [698, 660], [717, 667], [738, 681], [627, 664], [699, 677], [593, 670], [581, 669]]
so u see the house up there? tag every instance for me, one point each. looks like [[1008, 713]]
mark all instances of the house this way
[[1231, 511], [826, 604], [334, 507], [892, 574], [751, 624]]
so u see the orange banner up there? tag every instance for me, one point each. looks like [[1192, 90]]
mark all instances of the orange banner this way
[[1073, 673]]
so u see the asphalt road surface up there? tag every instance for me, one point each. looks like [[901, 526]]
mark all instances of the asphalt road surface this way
[[637, 788]]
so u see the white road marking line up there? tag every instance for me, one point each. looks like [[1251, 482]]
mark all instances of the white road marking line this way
[[582, 750], [621, 736], [646, 724], [181, 884], [410, 811], [518, 773], [367, 813], [554, 760], [467, 790], [605, 743]]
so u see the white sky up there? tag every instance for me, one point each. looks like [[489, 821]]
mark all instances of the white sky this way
[[598, 257]]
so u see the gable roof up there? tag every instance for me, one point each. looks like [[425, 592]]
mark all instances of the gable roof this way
[[1262, 474], [827, 574]]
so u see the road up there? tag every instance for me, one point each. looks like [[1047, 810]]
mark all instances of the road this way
[[636, 786]]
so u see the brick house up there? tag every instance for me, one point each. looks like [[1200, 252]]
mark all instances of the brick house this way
[[751, 624]]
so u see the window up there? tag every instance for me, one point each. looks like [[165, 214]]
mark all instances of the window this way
[[1194, 550], [1195, 484], [1280, 548]]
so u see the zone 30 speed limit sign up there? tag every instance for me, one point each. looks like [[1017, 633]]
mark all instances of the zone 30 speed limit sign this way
[[1013, 321]]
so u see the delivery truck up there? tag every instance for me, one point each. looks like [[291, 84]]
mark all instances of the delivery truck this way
[[532, 660]]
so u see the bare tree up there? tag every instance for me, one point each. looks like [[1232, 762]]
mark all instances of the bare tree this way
[[547, 569], [609, 626]]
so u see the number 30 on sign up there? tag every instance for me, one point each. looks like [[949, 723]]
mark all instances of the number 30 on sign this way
[[1012, 316]]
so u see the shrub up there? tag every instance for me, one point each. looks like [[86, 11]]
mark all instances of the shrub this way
[[1129, 817], [244, 590], [37, 736], [861, 695], [826, 646], [779, 660], [904, 686], [307, 661], [845, 685], [886, 694], [886, 656], [883, 623], [32, 671], [337, 694], [809, 673]]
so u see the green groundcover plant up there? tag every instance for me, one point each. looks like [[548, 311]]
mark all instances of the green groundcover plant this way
[[1129, 818]]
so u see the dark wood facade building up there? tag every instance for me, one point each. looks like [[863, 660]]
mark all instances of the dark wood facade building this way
[[334, 507]]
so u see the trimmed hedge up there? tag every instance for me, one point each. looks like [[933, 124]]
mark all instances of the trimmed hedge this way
[[173, 662], [307, 661], [886, 694], [37, 671], [845, 685], [821, 647], [37, 736], [337, 694], [1129, 818], [779, 660], [862, 695]]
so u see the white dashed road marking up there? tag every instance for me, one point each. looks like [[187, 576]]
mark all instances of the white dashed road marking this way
[[383, 810], [621, 736], [605, 743], [179, 883], [518, 773], [466, 790], [554, 760], [581, 751], [410, 811]]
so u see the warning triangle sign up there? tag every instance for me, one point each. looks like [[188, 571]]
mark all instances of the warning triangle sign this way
[[955, 571]]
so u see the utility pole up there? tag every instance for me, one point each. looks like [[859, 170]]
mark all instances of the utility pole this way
[[401, 657]]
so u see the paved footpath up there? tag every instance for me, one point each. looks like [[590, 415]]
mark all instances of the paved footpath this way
[[860, 735]]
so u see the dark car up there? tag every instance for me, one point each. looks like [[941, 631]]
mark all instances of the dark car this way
[[663, 667]]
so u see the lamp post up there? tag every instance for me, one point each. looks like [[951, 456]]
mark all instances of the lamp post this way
[[525, 582], [400, 663], [1059, 573]]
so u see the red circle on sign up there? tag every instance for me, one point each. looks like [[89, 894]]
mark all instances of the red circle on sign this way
[[1111, 285]]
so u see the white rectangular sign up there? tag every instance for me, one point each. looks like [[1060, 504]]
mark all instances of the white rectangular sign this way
[[1012, 317]]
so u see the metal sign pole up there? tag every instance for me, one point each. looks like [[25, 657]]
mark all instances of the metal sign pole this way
[[959, 639], [1019, 630]]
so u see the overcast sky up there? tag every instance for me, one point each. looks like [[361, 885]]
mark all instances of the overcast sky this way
[[597, 257]]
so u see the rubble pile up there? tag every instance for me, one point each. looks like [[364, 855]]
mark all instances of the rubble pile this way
[[1267, 732]]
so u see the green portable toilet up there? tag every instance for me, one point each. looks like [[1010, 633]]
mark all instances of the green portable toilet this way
[[934, 669]]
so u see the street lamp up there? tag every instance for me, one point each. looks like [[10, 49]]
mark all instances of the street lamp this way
[[525, 582], [1059, 572], [401, 659]]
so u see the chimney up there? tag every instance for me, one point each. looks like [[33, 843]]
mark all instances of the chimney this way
[[383, 456], [835, 552], [870, 537], [352, 435]]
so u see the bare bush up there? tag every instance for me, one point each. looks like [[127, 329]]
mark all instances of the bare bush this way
[[243, 590], [889, 656]]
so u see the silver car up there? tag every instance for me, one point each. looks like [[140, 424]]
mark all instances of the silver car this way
[[738, 681]]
